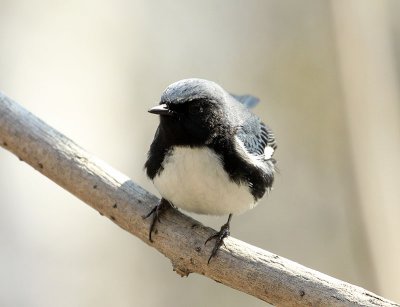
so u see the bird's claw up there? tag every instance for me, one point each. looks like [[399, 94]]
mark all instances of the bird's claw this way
[[157, 211], [219, 236]]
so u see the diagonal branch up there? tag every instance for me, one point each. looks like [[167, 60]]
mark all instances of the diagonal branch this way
[[180, 238]]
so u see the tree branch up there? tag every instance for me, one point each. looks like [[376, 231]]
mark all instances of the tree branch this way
[[180, 238]]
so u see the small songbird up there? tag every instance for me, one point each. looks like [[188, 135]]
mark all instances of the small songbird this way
[[210, 154]]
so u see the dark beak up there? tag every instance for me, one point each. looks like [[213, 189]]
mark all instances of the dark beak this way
[[162, 109]]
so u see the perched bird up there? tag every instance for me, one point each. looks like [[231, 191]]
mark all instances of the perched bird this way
[[210, 153]]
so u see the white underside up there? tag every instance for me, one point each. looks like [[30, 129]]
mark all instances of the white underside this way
[[194, 180]]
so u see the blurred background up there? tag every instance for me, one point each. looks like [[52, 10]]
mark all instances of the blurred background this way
[[327, 73]]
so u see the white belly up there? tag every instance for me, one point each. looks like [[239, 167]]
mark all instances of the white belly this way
[[194, 179]]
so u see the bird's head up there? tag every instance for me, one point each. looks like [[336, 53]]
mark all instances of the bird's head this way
[[193, 111]]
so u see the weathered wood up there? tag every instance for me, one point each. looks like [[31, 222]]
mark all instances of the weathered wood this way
[[180, 238]]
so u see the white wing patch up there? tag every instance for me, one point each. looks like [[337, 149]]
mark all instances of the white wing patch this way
[[268, 152]]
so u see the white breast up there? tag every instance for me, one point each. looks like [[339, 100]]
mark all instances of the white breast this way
[[194, 179]]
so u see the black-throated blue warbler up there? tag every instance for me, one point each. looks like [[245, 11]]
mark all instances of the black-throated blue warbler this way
[[210, 154]]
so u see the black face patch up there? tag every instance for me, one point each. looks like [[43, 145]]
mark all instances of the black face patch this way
[[195, 122]]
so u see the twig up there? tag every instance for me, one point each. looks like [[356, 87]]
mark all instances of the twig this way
[[180, 238]]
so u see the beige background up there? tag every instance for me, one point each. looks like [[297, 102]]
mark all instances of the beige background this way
[[327, 74]]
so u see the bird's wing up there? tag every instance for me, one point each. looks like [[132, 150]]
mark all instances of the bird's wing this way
[[248, 100], [257, 138]]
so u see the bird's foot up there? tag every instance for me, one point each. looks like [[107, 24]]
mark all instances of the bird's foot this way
[[219, 238], [157, 211]]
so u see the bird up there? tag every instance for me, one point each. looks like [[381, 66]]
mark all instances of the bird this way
[[210, 153]]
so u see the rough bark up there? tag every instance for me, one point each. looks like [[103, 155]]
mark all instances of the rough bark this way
[[246, 268]]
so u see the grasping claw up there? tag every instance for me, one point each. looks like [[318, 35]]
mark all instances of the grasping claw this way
[[219, 236], [157, 211]]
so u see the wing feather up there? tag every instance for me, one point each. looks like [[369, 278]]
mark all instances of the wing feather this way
[[258, 139], [248, 100]]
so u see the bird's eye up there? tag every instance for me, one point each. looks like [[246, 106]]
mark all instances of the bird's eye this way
[[195, 108]]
